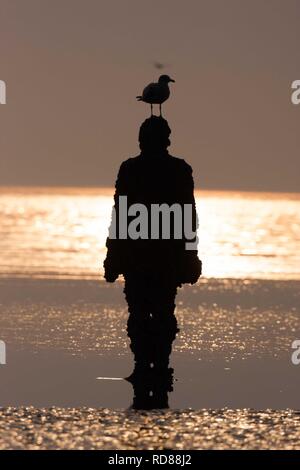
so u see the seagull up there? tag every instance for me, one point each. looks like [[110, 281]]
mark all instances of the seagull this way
[[156, 93]]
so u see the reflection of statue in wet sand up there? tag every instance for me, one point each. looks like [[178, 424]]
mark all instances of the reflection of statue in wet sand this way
[[153, 267]]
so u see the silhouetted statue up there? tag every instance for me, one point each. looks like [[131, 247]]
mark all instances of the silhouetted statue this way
[[153, 268]]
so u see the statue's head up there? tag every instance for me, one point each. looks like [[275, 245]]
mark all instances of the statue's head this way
[[154, 134]]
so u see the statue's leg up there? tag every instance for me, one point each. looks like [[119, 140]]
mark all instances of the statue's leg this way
[[164, 323], [139, 321], [151, 327]]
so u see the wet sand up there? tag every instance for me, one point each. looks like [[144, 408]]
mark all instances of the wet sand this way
[[87, 428], [233, 352]]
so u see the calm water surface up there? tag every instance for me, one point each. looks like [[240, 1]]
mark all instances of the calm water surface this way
[[57, 232]]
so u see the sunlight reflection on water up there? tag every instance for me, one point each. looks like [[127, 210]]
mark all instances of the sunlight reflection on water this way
[[61, 232]]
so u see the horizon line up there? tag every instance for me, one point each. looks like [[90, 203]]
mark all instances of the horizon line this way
[[110, 189]]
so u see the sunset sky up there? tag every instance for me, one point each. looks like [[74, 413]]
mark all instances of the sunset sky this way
[[73, 68]]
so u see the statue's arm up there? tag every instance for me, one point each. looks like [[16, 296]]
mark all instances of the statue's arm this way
[[188, 196], [192, 265], [113, 261]]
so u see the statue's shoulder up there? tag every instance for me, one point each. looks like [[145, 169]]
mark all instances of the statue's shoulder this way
[[129, 163], [180, 163]]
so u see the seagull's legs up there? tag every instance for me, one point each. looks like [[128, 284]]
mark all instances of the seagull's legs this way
[[151, 109], [160, 110]]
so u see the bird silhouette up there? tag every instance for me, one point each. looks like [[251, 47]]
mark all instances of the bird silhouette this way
[[158, 65], [156, 93]]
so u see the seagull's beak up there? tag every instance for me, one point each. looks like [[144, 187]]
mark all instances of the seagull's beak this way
[[171, 80]]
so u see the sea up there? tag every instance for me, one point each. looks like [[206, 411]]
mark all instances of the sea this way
[[61, 233]]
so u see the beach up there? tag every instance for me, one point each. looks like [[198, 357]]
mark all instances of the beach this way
[[106, 429], [148, 144], [64, 328], [67, 354]]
